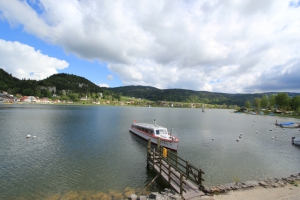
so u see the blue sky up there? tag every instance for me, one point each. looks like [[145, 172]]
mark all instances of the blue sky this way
[[232, 46]]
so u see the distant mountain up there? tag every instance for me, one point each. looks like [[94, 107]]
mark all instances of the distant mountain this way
[[76, 84], [182, 95]]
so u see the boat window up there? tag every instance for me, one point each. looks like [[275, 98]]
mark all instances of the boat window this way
[[162, 131], [157, 132]]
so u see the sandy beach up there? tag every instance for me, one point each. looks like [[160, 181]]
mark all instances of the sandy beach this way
[[289, 192]]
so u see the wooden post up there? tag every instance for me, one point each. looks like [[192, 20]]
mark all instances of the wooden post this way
[[158, 144], [169, 174], [187, 169], [160, 164], [168, 153], [153, 159], [200, 180], [181, 183], [148, 152], [149, 143]]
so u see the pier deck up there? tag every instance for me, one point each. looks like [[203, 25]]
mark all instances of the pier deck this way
[[181, 176]]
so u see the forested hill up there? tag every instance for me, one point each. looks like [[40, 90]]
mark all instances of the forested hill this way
[[59, 82], [72, 82], [182, 95]]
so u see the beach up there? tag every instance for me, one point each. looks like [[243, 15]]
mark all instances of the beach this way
[[288, 192]]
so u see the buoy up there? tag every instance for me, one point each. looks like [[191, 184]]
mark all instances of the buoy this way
[[241, 133], [213, 138], [34, 136], [240, 136], [237, 140], [270, 129], [272, 137], [28, 136], [256, 131]]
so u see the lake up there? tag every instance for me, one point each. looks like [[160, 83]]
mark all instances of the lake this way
[[81, 151]]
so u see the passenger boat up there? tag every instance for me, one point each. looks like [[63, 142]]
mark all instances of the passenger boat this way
[[153, 132], [296, 140]]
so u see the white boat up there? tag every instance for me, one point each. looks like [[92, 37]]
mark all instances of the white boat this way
[[296, 140], [153, 132]]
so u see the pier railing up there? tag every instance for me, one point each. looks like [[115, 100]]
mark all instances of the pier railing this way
[[175, 168]]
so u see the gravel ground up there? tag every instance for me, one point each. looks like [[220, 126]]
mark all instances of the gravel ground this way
[[289, 192]]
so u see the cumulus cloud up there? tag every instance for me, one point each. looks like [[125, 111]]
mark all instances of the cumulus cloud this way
[[220, 46], [104, 85], [24, 61]]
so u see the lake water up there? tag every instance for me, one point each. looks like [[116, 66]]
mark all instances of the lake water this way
[[81, 151]]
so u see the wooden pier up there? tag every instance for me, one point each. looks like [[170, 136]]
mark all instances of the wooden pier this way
[[183, 177]]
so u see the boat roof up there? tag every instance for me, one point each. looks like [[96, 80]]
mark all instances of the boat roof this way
[[145, 125]]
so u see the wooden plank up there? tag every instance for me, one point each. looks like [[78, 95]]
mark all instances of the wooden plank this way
[[190, 188]]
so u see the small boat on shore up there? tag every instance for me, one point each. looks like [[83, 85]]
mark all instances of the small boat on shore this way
[[153, 132], [296, 140], [288, 125]]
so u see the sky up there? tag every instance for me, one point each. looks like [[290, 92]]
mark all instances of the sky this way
[[228, 46]]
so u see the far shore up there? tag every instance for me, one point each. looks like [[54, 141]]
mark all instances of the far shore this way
[[94, 104]]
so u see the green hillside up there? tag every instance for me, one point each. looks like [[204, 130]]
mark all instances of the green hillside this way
[[75, 87], [55, 84], [182, 95]]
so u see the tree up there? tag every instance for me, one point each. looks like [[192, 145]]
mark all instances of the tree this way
[[272, 101], [28, 92], [295, 103], [264, 101], [73, 96], [247, 104], [282, 100], [257, 102]]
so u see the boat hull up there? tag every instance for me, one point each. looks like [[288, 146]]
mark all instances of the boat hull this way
[[290, 126], [296, 141], [170, 144]]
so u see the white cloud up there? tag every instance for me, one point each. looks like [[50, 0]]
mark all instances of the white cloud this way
[[104, 85], [220, 46], [24, 61], [110, 77]]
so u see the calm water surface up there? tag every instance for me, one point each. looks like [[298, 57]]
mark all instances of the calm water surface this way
[[85, 150]]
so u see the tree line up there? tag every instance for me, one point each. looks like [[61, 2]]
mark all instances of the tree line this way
[[280, 101]]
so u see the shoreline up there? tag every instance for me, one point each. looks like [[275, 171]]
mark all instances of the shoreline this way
[[278, 188]]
